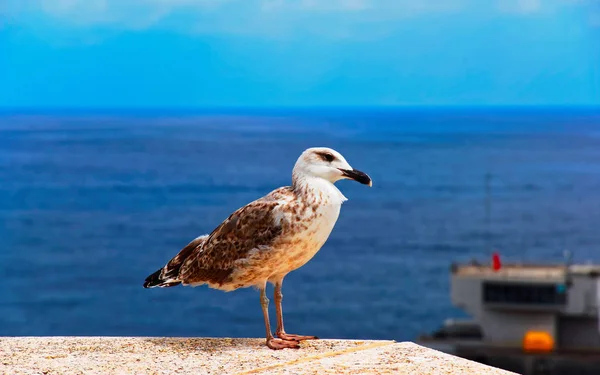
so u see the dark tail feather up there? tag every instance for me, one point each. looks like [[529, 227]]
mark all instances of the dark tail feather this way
[[168, 275], [155, 280]]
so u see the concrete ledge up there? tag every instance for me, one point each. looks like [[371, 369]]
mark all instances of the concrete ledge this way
[[141, 355]]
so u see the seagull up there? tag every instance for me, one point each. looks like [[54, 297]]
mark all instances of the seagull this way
[[268, 238]]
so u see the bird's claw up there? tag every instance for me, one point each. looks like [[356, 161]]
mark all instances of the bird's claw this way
[[277, 344], [291, 337]]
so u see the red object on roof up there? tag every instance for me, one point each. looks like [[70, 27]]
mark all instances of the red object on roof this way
[[496, 264]]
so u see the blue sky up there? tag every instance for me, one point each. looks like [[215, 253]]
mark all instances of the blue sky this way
[[204, 53]]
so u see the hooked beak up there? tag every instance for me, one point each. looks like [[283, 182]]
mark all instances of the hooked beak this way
[[357, 176]]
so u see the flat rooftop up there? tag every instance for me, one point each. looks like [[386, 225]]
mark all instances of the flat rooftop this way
[[146, 355], [516, 271], [525, 271]]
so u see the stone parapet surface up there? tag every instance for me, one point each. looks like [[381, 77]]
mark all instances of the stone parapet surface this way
[[149, 355]]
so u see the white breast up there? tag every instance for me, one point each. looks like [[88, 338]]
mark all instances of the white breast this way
[[317, 224], [327, 201]]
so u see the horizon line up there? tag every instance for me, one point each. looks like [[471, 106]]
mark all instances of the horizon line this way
[[253, 108]]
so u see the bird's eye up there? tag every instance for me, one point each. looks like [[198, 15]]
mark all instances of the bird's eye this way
[[327, 156]]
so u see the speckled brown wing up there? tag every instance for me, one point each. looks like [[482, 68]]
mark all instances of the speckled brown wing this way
[[168, 276], [250, 227]]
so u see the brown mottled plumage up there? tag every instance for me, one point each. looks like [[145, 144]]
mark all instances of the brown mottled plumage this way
[[268, 238], [228, 247]]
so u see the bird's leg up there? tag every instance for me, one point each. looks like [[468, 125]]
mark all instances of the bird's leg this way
[[272, 342], [280, 330]]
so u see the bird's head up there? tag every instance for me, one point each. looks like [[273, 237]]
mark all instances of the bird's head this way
[[328, 164]]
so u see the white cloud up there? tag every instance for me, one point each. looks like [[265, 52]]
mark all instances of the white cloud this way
[[272, 18], [134, 12], [314, 5], [275, 18], [127, 14], [520, 6]]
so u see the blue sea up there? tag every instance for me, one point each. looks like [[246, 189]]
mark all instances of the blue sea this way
[[93, 202]]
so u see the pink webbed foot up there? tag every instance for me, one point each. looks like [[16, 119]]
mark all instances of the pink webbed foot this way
[[291, 337], [278, 344]]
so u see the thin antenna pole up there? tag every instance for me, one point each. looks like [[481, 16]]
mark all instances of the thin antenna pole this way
[[488, 210]]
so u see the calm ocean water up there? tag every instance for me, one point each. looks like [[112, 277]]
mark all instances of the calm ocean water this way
[[92, 204]]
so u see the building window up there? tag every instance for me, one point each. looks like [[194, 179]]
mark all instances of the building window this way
[[524, 294]]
